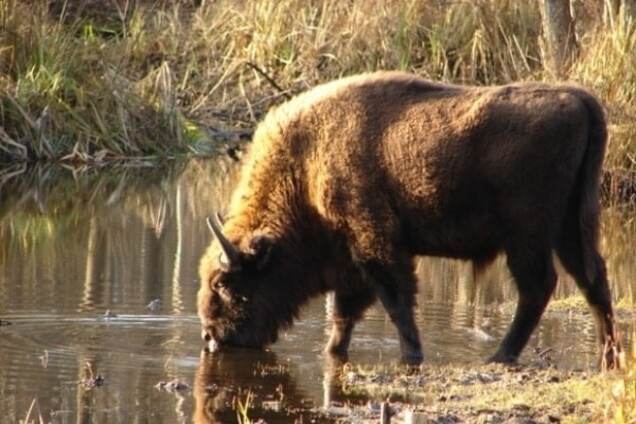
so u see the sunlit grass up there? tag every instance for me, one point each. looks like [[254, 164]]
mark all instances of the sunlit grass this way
[[573, 397], [621, 392], [243, 408]]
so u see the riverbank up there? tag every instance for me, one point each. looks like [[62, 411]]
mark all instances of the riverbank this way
[[535, 393], [94, 83]]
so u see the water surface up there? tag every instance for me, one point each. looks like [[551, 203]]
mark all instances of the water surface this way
[[83, 252]]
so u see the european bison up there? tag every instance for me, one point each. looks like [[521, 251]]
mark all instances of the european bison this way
[[349, 181]]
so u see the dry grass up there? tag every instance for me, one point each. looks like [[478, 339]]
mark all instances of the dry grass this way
[[620, 392], [31, 417], [495, 393], [99, 83]]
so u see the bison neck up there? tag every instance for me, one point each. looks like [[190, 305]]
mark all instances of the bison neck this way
[[276, 207]]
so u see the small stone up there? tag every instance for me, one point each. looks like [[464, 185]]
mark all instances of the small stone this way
[[447, 419], [521, 407], [373, 406], [154, 305], [485, 378], [44, 359], [489, 419], [97, 381], [172, 386], [521, 420], [272, 405], [415, 417], [108, 314]]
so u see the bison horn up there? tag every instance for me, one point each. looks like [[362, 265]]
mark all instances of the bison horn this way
[[230, 251]]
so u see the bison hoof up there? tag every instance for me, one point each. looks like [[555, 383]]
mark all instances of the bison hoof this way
[[613, 358], [502, 358], [413, 358]]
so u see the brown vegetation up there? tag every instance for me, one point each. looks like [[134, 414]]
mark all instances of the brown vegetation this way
[[137, 78]]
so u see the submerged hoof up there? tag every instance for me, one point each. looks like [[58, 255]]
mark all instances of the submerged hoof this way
[[336, 354]]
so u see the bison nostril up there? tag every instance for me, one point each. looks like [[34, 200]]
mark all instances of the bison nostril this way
[[205, 336]]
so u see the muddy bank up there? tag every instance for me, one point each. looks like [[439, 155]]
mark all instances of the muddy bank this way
[[482, 394]]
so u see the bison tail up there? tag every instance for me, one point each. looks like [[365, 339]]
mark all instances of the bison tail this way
[[589, 182]]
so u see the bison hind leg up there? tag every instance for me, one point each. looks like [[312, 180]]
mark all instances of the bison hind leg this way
[[533, 270], [348, 308], [596, 290]]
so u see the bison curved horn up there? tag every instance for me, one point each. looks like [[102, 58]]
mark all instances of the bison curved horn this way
[[230, 251]]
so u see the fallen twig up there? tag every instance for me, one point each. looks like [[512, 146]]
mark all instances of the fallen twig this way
[[269, 80]]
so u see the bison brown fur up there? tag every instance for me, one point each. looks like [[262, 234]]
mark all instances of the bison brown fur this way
[[345, 184]]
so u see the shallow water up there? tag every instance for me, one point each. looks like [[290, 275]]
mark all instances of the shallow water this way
[[82, 254]]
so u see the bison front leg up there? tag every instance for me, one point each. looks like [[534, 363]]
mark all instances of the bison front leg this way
[[395, 286], [348, 308], [533, 271]]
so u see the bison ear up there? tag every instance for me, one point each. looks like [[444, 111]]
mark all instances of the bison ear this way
[[261, 247]]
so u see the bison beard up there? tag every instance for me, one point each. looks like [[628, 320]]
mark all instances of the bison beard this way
[[347, 183]]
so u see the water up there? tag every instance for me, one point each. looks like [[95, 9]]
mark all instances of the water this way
[[83, 252]]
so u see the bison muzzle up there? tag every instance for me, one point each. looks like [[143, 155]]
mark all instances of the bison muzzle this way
[[345, 184]]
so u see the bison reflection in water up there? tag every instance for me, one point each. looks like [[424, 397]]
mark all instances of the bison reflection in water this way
[[346, 183], [225, 378]]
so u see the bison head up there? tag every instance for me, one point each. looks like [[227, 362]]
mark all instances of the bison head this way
[[240, 302]]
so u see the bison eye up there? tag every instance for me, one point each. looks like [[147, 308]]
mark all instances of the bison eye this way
[[217, 284]]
